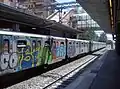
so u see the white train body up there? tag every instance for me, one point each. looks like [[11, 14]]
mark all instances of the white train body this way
[[20, 51]]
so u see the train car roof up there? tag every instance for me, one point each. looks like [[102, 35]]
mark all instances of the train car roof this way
[[97, 42], [69, 39], [58, 37], [21, 34], [78, 40], [36, 35]]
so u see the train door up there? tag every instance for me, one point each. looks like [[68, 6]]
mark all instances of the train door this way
[[62, 49], [86, 46], [24, 53], [9, 56], [34, 51], [5, 54], [54, 50], [39, 47], [46, 51], [40, 51], [73, 49], [77, 48], [92, 46], [69, 49], [82, 47], [13, 52], [96, 46]]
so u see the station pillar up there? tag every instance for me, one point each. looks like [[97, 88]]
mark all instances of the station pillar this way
[[117, 44], [16, 28]]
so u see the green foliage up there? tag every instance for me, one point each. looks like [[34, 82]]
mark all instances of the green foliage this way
[[103, 37], [91, 35]]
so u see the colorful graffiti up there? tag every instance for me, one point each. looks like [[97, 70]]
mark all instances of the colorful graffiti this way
[[58, 49], [19, 54], [71, 49], [8, 57], [35, 55]]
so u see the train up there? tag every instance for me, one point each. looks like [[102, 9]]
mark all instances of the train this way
[[20, 51]]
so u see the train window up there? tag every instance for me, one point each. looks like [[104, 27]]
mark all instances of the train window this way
[[69, 42], [39, 43], [57, 43], [84, 44], [73, 42], [88, 45], [62, 44], [21, 43], [33, 45], [6, 45], [47, 43], [54, 42], [77, 44]]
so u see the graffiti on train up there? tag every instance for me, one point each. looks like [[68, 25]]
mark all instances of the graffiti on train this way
[[24, 56], [8, 56], [58, 49], [71, 49], [34, 55]]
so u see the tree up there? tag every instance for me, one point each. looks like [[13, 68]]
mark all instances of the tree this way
[[91, 35], [103, 37]]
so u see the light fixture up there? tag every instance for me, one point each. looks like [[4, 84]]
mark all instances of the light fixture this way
[[33, 28]]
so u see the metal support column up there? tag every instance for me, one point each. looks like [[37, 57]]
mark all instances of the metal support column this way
[[15, 27], [118, 39], [117, 25]]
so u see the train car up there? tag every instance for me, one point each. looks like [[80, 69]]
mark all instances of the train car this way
[[58, 48], [76, 47], [72, 47], [94, 45], [20, 51], [86, 46]]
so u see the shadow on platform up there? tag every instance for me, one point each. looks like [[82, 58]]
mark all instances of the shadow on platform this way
[[109, 75]]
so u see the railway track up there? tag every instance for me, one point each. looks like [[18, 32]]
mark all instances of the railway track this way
[[63, 81], [58, 78]]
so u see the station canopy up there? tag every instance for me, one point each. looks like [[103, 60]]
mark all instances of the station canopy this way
[[98, 10], [85, 20]]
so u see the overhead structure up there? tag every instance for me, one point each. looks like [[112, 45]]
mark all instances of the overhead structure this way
[[99, 11], [15, 16], [84, 21], [65, 5]]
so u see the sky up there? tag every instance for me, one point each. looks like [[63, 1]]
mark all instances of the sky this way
[[109, 37]]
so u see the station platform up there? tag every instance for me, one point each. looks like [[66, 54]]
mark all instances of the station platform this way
[[102, 74]]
